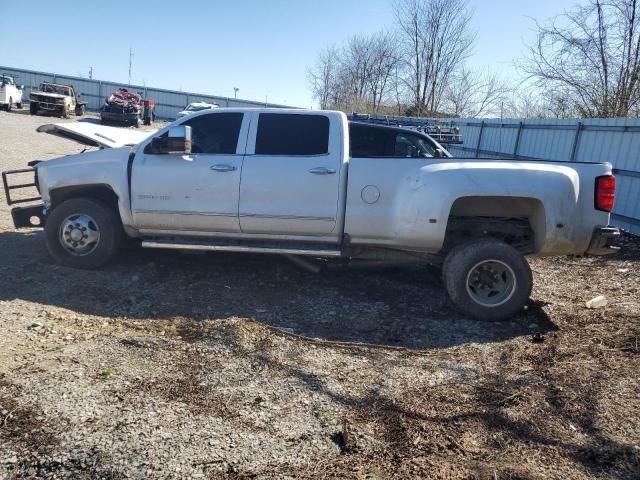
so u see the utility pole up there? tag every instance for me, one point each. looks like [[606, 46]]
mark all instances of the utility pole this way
[[130, 62], [90, 73], [235, 92]]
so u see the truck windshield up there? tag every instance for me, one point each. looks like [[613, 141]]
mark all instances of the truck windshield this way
[[48, 88]]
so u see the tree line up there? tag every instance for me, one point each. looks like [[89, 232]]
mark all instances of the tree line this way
[[583, 63]]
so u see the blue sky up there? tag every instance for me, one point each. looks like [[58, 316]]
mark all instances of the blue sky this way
[[263, 47]]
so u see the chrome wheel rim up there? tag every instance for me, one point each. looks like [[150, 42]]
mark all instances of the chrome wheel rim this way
[[491, 283], [79, 234]]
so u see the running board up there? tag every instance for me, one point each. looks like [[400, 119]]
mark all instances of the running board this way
[[222, 247]]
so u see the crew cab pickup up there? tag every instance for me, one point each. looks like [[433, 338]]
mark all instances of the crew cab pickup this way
[[310, 183]]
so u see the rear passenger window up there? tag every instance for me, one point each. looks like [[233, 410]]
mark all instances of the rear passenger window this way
[[215, 132], [292, 134]]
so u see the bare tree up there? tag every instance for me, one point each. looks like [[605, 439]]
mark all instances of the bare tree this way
[[592, 55], [385, 63], [475, 93], [323, 76], [437, 39], [358, 76]]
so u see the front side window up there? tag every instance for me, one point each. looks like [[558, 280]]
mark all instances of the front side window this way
[[215, 133], [292, 134]]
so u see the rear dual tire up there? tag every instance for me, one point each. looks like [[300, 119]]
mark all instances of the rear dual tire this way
[[487, 279]]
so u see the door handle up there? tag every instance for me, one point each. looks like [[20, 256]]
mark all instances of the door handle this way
[[322, 171], [223, 168]]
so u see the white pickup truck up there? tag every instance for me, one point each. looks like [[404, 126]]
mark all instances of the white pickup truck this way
[[10, 93], [300, 182]]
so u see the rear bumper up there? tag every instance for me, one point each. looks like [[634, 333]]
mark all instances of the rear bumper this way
[[33, 216], [603, 241]]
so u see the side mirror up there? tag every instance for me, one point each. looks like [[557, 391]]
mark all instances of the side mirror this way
[[177, 141], [21, 87]]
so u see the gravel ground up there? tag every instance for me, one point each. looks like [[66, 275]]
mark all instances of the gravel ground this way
[[167, 365]]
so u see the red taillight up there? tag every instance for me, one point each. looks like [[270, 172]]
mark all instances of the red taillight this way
[[605, 192]]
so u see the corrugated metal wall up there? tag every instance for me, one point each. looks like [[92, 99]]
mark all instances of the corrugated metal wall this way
[[169, 102], [615, 140]]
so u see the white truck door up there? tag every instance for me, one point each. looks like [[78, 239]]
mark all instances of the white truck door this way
[[291, 175], [197, 192]]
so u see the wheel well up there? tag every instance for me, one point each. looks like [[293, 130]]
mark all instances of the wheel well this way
[[518, 221], [98, 192]]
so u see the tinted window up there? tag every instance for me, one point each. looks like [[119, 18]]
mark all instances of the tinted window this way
[[414, 146], [291, 134], [215, 133], [367, 141]]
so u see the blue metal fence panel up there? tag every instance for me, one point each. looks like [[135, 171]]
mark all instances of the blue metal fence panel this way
[[614, 140], [168, 102]]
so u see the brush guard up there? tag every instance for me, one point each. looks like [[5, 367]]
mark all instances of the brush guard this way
[[8, 188], [28, 216]]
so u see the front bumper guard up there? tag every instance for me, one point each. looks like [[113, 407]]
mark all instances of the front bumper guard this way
[[603, 241], [33, 216]]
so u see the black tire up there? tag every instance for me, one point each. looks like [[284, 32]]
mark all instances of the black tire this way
[[64, 112], [10, 104], [33, 108], [79, 110], [467, 266], [19, 106], [108, 225]]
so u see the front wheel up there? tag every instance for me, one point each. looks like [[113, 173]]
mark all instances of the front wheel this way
[[487, 279], [10, 104], [19, 105], [83, 233]]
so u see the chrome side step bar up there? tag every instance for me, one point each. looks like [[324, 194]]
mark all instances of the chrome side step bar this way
[[225, 247]]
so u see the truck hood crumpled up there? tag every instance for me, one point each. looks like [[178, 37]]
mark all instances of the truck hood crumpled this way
[[93, 135]]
